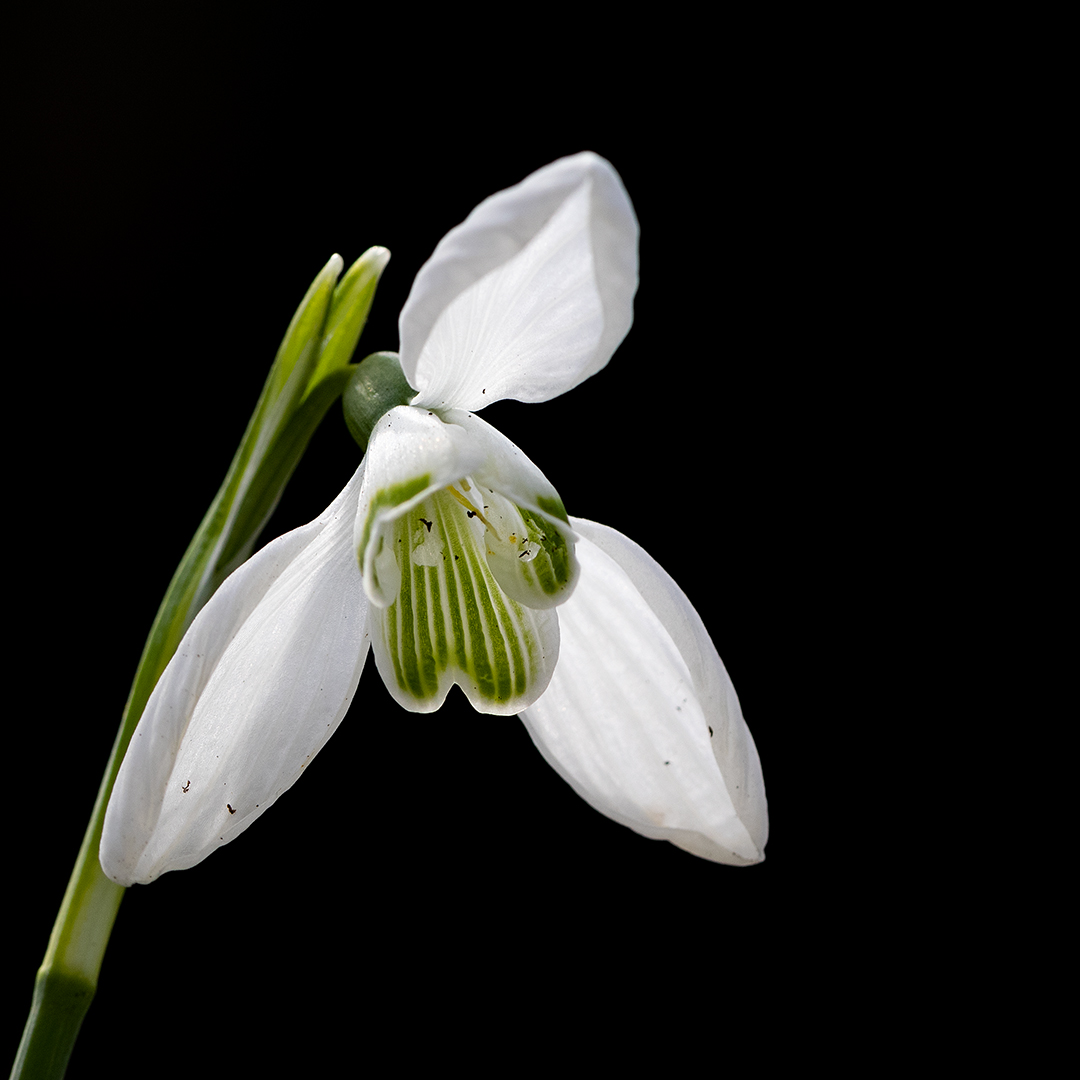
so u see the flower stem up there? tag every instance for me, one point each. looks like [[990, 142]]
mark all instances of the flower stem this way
[[68, 975], [310, 373], [67, 978]]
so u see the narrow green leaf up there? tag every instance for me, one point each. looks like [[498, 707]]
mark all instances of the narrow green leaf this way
[[274, 472], [348, 313], [299, 350]]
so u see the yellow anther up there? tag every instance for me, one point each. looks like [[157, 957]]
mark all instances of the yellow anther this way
[[472, 509]]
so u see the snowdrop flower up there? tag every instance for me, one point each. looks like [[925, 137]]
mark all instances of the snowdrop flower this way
[[451, 554]]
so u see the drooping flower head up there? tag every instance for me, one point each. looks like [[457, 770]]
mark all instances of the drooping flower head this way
[[453, 555], [464, 544]]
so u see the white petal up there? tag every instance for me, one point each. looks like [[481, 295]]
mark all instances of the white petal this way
[[529, 296], [641, 718], [259, 683]]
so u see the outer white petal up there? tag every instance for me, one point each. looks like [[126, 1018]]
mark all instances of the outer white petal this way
[[641, 718], [529, 296], [259, 683]]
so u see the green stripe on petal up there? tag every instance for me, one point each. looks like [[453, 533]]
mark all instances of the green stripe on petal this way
[[379, 564], [555, 570], [531, 542], [530, 555], [552, 505], [451, 622]]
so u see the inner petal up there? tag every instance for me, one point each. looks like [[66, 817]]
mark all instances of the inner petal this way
[[451, 622], [530, 557]]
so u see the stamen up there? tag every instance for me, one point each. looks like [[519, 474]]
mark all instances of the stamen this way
[[469, 506]]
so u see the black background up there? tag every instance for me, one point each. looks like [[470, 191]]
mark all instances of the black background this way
[[176, 185]]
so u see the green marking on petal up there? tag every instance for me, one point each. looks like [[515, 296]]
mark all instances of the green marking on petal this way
[[451, 621], [554, 569], [531, 557], [391, 496], [553, 505]]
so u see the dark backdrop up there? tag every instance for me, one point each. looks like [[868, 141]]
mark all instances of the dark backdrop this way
[[175, 186]]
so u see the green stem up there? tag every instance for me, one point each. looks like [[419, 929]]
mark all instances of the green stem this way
[[68, 976], [310, 372]]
